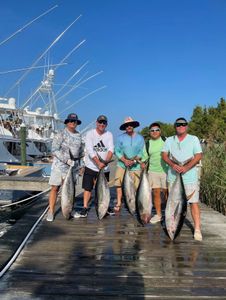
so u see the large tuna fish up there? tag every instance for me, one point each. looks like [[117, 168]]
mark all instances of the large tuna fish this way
[[102, 195], [144, 199], [129, 192], [68, 194], [176, 208]]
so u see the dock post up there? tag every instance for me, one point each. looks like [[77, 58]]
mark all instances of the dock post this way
[[23, 144]]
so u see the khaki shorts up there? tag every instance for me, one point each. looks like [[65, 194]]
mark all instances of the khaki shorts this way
[[157, 180], [119, 174], [191, 191], [56, 177]]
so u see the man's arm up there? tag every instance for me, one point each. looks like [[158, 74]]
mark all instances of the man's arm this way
[[191, 163], [56, 147], [178, 168]]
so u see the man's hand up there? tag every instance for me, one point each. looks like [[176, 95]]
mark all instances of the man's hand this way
[[81, 171], [101, 165], [70, 162], [180, 169], [128, 162], [143, 165]]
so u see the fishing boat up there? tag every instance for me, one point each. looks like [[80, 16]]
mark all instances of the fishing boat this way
[[41, 125]]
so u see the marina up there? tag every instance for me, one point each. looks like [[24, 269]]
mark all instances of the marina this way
[[161, 73]]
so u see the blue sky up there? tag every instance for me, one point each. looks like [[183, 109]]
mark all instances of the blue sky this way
[[160, 58]]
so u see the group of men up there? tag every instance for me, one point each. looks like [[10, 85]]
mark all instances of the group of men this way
[[164, 158]]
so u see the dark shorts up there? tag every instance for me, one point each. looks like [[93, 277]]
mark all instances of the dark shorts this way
[[90, 177]]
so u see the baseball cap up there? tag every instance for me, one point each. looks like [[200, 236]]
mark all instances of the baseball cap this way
[[102, 118]]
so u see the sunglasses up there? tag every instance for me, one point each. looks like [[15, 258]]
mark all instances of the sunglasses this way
[[72, 121], [102, 122], [181, 124], [154, 130]]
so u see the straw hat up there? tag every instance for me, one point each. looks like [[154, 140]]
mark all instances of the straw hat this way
[[129, 122]]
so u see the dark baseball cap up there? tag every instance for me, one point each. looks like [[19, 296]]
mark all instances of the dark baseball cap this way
[[180, 120], [72, 118], [155, 124], [102, 118]]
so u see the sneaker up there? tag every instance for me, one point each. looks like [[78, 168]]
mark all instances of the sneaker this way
[[155, 219], [83, 213], [50, 217], [110, 211], [198, 235]]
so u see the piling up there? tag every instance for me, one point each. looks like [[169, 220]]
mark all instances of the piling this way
[[23, 143]]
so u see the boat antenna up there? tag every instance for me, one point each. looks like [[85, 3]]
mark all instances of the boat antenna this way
[[76, 85], [57, 65], [87, 127], [30, 68], [75, 73], [26, 25], [82, 98], [69, 54], [41, 56]]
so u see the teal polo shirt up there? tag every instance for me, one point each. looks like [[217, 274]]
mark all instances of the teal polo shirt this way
[[182, 151]]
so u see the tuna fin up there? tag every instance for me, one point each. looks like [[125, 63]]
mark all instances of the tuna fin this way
[[190, 196]]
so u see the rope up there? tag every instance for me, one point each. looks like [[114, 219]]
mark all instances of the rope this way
[[24, 200]]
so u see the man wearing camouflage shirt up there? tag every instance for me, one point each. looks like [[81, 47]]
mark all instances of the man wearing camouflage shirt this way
[[67, 148]]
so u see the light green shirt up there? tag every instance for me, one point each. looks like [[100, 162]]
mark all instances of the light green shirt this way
[[156, 163], [183, 151]]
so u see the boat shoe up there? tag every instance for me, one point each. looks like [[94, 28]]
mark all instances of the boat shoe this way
[[50, 217], [155, 219], [198, 235]]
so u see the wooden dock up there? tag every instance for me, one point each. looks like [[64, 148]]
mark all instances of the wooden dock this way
[[116, 258]]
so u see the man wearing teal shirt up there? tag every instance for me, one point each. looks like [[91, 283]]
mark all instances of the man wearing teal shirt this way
[[180, 148], [128, 150], [157, 168]]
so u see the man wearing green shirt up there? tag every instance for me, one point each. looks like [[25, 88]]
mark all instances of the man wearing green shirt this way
[[157, 168]]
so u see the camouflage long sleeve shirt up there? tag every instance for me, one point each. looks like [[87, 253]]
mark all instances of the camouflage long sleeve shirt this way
[[64, 143]]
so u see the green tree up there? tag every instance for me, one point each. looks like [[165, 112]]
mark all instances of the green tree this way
[[209, 123]]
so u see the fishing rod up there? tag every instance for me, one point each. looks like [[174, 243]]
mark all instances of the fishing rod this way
[[28, 24], [82, 98], [40, 57]]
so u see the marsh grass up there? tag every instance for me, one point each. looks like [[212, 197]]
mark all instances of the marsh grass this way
[[213, 178]]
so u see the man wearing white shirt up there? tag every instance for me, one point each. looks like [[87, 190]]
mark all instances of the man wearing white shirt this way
[[99, 148]]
